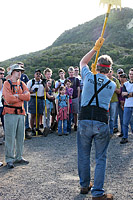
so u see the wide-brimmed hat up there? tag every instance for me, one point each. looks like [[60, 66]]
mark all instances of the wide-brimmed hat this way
[[14, 67]]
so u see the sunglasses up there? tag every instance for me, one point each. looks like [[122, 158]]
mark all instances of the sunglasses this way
[[1, 73], [17, 70], [38, 74]]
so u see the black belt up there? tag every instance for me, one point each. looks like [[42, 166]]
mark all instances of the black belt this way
[[93, 113], [16, 108], [38, 97]]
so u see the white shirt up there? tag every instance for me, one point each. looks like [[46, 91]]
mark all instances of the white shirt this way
[[40, 91]]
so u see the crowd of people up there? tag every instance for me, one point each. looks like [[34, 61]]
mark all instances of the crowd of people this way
[[56, 105]]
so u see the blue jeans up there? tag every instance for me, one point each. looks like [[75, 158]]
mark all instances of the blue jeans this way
[[112, 114], [87, 131], [128, 112], [64, 126]]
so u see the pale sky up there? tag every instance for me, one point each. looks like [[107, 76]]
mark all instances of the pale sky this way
[[31, 25]]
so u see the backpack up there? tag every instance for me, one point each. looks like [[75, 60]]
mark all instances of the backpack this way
[[63, 100], [13, 86]]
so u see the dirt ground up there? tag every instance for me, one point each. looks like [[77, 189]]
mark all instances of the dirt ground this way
[[52, 171]]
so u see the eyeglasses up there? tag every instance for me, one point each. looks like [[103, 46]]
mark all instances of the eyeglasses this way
[[1, 73], [38, 74]]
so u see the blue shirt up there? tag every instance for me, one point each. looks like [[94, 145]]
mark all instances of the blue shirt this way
[[24, 78], [104, 96], [62, 100]]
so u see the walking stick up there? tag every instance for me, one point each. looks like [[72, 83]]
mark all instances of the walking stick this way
[[45, 103], [36, 114], [110, 3]]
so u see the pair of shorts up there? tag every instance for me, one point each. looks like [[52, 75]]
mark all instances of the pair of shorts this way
[[75, 105], [32, 105]]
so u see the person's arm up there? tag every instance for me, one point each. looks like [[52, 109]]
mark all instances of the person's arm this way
[[1, 83], [78, 92], [117, 90], [68, 105], [85, 60], [57, 106], [57, 86]]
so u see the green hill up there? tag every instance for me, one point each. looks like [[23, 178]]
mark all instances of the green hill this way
[[116, 30], [69, 48]]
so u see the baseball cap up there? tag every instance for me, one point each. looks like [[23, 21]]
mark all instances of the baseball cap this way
[[120, 70], [13, 68], [37, 70]]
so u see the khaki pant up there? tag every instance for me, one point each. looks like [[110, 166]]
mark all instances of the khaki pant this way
[[14, 136]]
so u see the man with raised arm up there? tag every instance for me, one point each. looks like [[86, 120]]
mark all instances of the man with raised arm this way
[[93, 122]]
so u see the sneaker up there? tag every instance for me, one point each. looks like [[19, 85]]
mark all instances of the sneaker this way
[[39, 132], [75, 128], [41, 125], [22, 161], [45, 132], [123, 141], [28, 129], [121, 135], [104, 197], [86, 190], [59, 134], [28, 136], [115, 130], [10, 165], [1, 164], [66, 133], [33, 132]]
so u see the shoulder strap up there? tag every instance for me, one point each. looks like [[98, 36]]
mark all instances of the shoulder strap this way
[[95, 89], [33, 82], [98, 91], [11, 85]]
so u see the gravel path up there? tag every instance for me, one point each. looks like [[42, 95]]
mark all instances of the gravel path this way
[[52, 171]]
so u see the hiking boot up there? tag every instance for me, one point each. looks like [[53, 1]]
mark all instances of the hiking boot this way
[[28, 135], [123, 141], [115, 130], [86, 190], [10, 165], [104, 197], [45, 132], [39, 132], [1, 164], [22, 162]]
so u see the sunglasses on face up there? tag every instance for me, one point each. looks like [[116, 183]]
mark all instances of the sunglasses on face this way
[[38, 74], [18, 70], [1, 73]]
